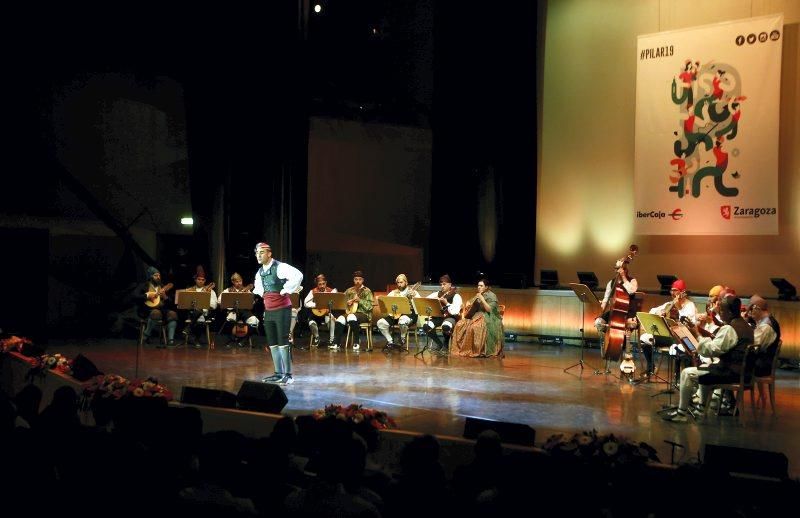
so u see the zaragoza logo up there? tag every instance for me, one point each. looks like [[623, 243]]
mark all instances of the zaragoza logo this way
[[725, 211], [676, 214]]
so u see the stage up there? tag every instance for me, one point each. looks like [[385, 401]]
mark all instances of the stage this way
[[435, 395]]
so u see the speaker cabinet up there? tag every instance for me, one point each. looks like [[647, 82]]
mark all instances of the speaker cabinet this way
[[208, 397], [744, 460], [511, 433], [261, 397]]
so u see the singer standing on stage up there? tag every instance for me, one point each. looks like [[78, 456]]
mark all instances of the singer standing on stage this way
[[274, 282]]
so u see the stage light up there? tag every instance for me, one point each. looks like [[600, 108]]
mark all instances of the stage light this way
[[548, 278], [589, 279], [187, 221], [665, 281], [317, 8], [785, 290]]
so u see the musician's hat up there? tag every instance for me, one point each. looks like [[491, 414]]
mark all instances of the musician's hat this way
[[679, 285]]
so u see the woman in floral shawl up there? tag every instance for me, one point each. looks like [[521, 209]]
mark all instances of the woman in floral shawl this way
[[480, 332]]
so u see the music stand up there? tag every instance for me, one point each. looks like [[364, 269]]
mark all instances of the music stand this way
[[587, 297], [658, 326], [196, 301], [428, 308], [193, 300], [334, 300], [295, 298], [236, 301]]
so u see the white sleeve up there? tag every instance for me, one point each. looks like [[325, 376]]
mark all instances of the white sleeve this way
[[258, 288], [764, 335], [433, 295], [632, 286], [213, 300], [455, 307], [689, 310], [309, 300], [607, 294], [292, 275], [659, 310]]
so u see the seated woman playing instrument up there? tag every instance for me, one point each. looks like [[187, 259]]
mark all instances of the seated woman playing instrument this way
[[479, 333]]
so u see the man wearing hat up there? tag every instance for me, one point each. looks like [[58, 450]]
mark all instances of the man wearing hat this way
[[451, 303], [359, 311], [403, 321], [680, 307], [322, 315], [766, 335], [274, 282], [154, 304]]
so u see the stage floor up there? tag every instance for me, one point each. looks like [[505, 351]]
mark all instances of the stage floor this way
[[435, 395]]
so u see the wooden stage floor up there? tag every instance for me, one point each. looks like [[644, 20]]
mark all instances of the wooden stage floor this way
[[435, 395]]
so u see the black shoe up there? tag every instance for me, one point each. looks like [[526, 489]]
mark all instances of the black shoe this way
[[171, 343]]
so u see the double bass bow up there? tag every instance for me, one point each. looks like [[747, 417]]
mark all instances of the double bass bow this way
[[618, 306]]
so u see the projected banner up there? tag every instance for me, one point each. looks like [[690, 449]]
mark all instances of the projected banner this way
[[707, 107]]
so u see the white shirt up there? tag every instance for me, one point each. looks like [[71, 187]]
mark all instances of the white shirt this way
[[285, 271], [631, 286], [764, 334], [454, 308], [309, 300], [688, 310], [725, 340]]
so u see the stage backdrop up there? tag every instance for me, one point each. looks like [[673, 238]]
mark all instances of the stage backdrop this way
[[706, 152]]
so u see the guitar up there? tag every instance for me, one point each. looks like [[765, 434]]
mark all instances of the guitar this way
[[452, 291], [209, 287], [321, 312], [155, 302], [244, 289], [354, 306]]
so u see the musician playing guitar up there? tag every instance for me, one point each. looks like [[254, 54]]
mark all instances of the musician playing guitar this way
[[451, 306], [155, 306], [359, 311], [680, 308], [319, 316], [403, 321], [243, 320]]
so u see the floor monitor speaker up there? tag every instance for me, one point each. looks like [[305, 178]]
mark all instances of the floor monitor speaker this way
[[261, 397]]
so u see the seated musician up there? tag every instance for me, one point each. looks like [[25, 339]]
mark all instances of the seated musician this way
[[319, 316], [766, 335], [479, 333], [403, 321], [196, 319], [729, 345], [680, 308], [242, 316], [151, 291], [709, 320], [451, 307], [359, 304], [627, 282]]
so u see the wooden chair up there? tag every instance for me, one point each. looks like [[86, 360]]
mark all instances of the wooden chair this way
[[364, 326], [207, 324], [744, 383], [159, 323], [769, 381]]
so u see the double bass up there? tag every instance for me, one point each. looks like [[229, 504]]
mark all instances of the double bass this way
[[618, 306]]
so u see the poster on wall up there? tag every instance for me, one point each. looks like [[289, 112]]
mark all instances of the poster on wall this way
[[707, 113]]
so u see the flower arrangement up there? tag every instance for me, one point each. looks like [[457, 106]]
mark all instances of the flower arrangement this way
[[606, 448], [357, 414], [14, 343], [113, 386], [54, 362]]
